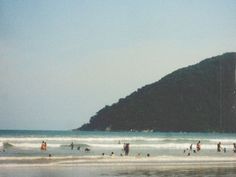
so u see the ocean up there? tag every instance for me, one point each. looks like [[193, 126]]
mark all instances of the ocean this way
[[150, 154]]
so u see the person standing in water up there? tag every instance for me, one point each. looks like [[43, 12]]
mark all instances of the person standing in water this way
[[191, 147], [42, 146], [126, 148], [234, 148], [219, 147], [45, 146], [72, 146], [198, 146]]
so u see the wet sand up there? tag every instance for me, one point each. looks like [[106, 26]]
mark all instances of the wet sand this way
[[115, 160], [226, 170], [117, 166]]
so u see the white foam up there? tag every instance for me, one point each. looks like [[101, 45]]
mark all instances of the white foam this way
[[110, 139], [120, 146], [31, 145], [97, 139], [160, 146], [138, 142]]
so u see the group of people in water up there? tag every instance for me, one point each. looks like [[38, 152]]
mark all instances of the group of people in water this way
[[126, 148], [220, 148], [78, 148], [198, 148], [43, 146], [190, 149], [72, 146]]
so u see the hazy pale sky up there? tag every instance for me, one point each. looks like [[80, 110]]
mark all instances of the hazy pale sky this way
[[62, 61]]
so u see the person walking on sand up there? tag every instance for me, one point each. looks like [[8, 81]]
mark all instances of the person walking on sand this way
[[198, 146]]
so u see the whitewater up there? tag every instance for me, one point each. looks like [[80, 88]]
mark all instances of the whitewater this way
[[19, 147], [169, 154]]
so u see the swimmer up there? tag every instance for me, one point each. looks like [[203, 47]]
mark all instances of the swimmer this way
[[87, 150], [224, 150]]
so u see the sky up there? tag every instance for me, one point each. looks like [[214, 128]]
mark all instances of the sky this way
[[62, 61]]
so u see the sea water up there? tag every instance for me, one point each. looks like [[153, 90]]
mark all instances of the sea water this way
[[25, 143], [20, 154]]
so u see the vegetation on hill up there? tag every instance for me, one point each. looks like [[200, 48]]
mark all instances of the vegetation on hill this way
[[201, 97]]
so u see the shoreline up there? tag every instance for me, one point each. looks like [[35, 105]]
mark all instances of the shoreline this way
[[162, 161], [184, 169]]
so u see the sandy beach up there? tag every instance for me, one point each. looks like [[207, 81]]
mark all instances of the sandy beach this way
[[165, 161], [117, 166]]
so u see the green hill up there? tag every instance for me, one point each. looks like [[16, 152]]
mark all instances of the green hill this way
[[201, 97]]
